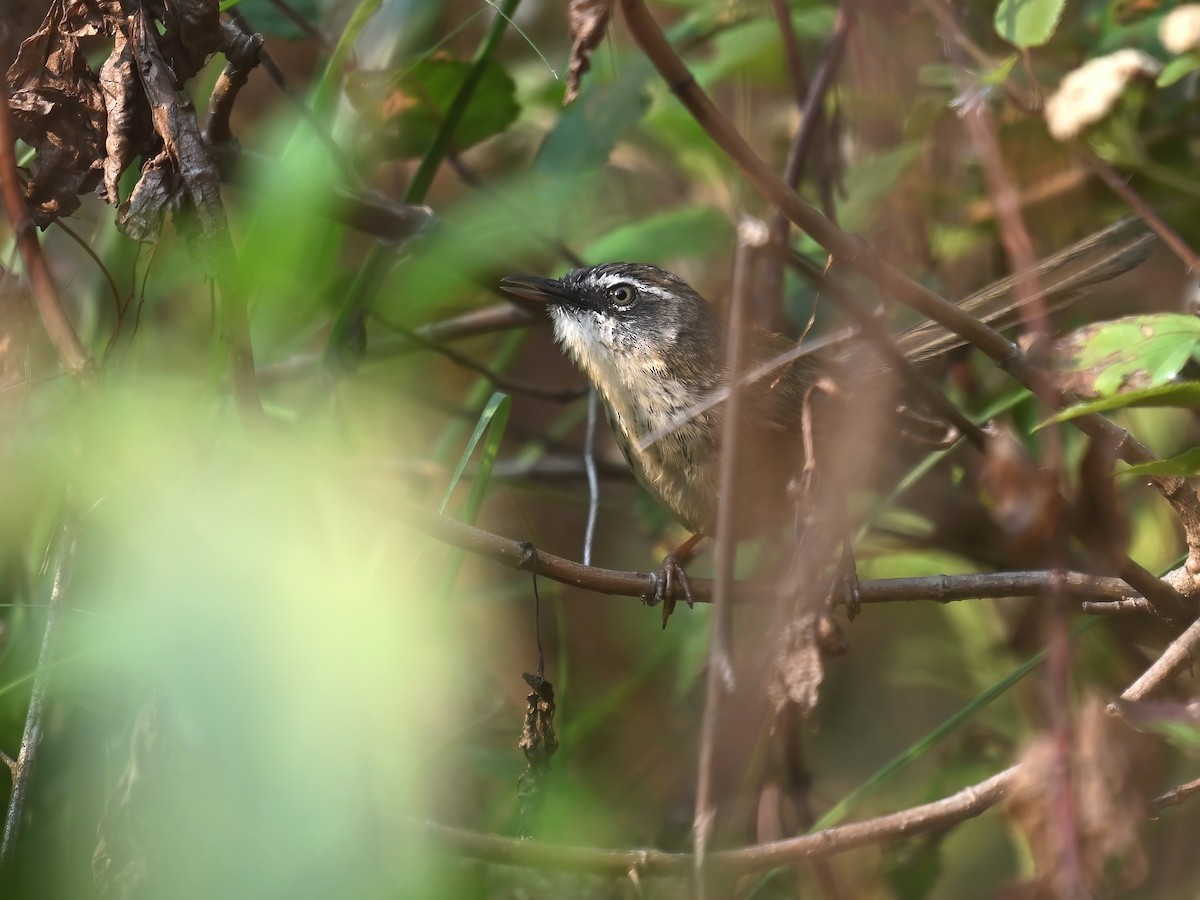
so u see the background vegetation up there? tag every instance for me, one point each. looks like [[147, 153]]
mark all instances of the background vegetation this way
[[265, 670]]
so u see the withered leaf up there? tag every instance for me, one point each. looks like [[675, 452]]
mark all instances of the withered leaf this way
[[588, 22], [129, 127], [159, 191], [191, 34], [87, 128], [798, 670], [58, 110]]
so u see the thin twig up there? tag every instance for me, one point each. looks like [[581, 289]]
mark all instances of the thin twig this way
[[496, 379], [1173, 660], [242, 50], [31, 737], [71, 352], [875, 334], [811, 118], [1148, 213], [303, 24], [175, 122], [1175, 796], [752, 236], [490, 319], [593, 478], [1018, 248]]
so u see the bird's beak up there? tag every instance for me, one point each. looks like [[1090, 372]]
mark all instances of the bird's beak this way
[[549, 291]]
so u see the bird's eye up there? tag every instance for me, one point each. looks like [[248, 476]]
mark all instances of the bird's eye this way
[[622, 294]]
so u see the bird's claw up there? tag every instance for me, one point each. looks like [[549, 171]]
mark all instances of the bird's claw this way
[[845, 587], [670, 574]]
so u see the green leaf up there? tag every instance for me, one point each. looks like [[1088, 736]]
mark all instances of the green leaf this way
[[1182, 466], [586, 131], [1178, 68], [421, 98], [688, 232], [1000, 72], [1028, 23], [1135, 352], [1185, 394]]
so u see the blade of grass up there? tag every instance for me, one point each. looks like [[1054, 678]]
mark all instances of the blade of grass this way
[[478, 393], [490, 431]]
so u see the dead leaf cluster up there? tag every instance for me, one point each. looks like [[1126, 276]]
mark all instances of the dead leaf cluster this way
[[87, 127]]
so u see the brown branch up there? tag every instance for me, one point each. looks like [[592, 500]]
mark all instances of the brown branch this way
[[1148, 213], [242, 57], [939, 588], [1173, 660], [812, 116], [1175, 796], [373, 215], [496, 379], [71, 352], [490, 319], [922, 819]]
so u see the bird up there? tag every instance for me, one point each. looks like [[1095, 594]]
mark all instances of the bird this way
[[654, 349]]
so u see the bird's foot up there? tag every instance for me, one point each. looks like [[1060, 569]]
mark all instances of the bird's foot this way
[[844, 588], [670, 575]]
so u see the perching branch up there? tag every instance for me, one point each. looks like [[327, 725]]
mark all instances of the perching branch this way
[[939, 588]]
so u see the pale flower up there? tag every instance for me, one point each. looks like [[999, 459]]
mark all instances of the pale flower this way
[[1087, 94], [1179, 31]]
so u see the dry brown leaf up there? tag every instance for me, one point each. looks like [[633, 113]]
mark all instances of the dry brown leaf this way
[[798, 669], [129, 128], [159, 191], [588, 22], [58, 110], [1106, 809], [1025, 501], [87, 128], [191, 34]]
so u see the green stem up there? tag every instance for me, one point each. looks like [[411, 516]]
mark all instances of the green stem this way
[[419, 186]]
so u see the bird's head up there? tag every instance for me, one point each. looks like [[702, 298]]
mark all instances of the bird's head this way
[[628, 324]]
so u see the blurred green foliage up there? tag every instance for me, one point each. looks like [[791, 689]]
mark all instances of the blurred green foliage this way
[[298, 678]]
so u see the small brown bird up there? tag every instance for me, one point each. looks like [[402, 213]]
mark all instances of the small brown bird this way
[[653, 349]]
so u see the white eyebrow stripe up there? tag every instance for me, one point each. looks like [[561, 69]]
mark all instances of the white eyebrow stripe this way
[[611, 279]]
